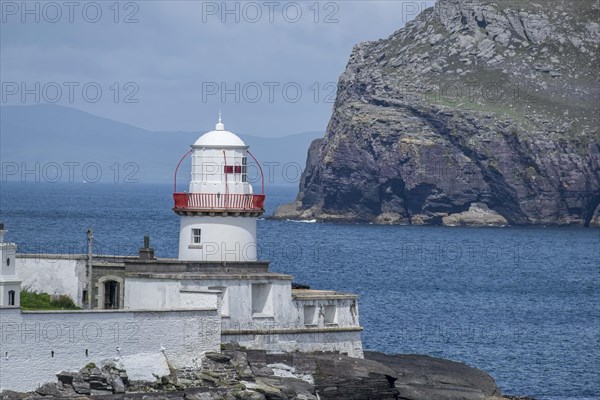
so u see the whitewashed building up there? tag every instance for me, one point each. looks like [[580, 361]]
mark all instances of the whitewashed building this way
[[217, 253], [37, 344], [215, 292]]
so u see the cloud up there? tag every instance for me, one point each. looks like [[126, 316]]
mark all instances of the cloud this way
[[176, 48]]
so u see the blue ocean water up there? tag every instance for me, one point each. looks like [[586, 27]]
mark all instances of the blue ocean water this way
[[520, 303]]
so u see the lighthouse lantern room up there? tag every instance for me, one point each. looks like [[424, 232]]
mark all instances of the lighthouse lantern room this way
[[218, 214]]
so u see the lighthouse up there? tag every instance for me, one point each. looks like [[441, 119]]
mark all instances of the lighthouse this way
[[218, 213]]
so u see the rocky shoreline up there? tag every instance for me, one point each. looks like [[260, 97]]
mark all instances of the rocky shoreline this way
[[241, 374]]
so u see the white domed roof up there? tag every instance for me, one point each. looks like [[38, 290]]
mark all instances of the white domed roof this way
[[219, 138]]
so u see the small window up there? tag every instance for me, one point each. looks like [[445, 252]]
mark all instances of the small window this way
[[196, 236], [244, 169], [11, 297], [309, 315], [8, 262], [229, 169], [238, 169], [329, 315]]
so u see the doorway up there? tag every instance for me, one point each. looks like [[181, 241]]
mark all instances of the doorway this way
[[111, 295]]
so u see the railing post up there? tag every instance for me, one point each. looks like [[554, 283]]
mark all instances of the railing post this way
[[262, 176], [177, 169]]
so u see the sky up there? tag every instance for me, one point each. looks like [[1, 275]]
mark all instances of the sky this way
[[270, 67]]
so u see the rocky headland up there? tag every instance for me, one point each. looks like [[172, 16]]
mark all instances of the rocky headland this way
[[239, 374], [474, 113]]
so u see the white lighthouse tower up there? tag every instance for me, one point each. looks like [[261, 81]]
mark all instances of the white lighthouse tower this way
[[10, 285], [218, 214]]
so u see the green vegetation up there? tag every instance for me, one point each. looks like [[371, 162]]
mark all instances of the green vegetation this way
[[43, 301], [530, 172]]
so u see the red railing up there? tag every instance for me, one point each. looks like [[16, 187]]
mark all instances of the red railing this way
[[210, 201]]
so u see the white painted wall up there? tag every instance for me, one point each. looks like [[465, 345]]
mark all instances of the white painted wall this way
[[145, 293], [6, 287], [262, 299], [166, 294], [288, 330], [52, 274], [284, 314], [287, 314], [151, 294], [9, 282], [133, 337], [282, 310], [223, 299], [7, 259], [239, 299], [344, 342], [346, 312], [223, 238], [199, 299]]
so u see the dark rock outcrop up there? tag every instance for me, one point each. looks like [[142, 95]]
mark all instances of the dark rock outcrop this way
[[474, 113], [258, 375], [423, 377]]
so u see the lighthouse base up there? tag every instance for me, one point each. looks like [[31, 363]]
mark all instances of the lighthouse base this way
[[218, 238]]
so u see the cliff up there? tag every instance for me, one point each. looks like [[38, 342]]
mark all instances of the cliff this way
[[474, 113]]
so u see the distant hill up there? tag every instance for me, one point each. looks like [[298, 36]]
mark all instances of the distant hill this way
[[66, 142]]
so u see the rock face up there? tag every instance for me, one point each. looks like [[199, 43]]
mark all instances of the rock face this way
[[477, 214], [258, 375], [471, 106], [423, 377]]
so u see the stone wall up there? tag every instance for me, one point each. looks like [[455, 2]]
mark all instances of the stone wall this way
[[37, 345], [344, 340]]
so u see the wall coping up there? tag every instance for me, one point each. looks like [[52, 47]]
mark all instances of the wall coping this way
[[312, 294], [211, 276], [10, 279], [117, 311], [275, 331], [42, 256]]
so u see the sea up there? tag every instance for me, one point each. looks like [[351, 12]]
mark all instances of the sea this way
[[521, 303]]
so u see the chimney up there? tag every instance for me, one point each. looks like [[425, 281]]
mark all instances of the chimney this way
[[146, 252]]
